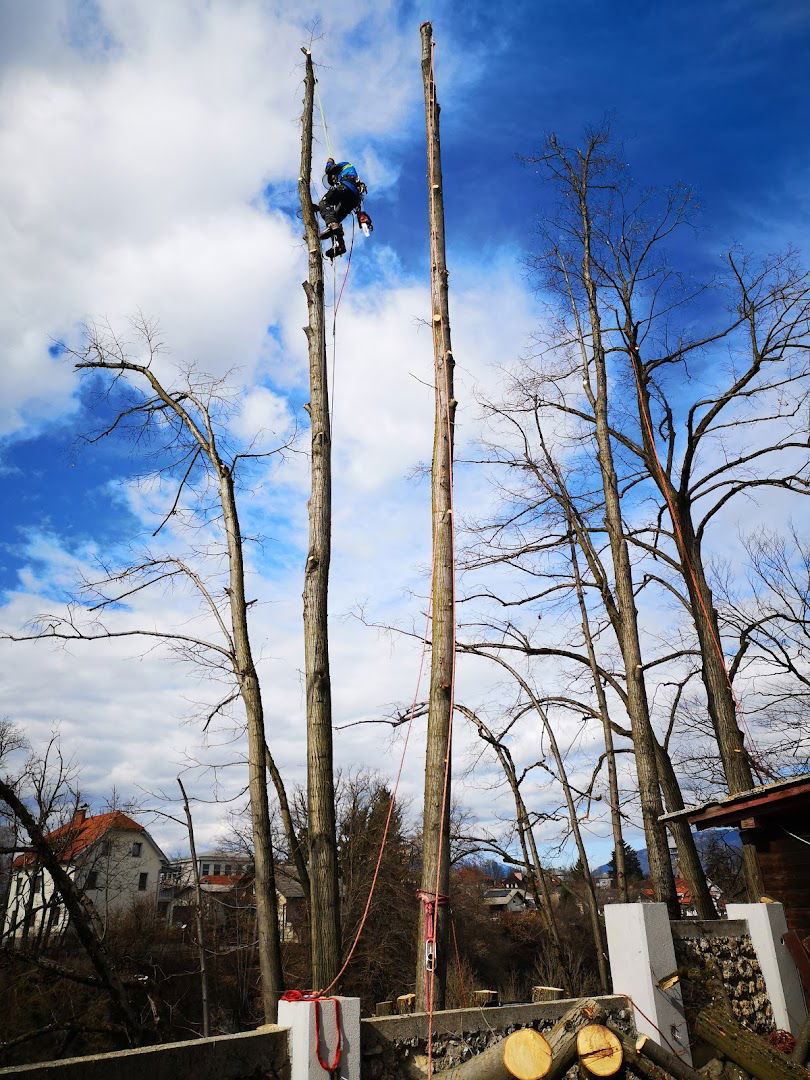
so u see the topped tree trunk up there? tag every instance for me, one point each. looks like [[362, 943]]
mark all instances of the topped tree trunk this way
[[323, 875], [436, 820]]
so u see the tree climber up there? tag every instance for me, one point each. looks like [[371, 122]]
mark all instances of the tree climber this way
[[344, 195]]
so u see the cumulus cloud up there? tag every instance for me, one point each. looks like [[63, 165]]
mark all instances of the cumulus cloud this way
[[150, 159]]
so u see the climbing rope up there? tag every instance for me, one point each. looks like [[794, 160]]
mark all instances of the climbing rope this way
[[335, 308], [323, 121], [311, 995]]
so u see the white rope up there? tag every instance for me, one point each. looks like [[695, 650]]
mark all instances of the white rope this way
[[323, 121]]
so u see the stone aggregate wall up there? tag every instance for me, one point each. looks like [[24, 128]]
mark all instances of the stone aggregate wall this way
[[724, 949], [395, 1047]]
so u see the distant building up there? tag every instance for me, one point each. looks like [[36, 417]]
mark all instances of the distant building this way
[[507, 898], [111, 858], [228, 893], [603, 879]]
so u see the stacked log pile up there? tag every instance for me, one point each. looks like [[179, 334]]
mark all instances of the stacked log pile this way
[[585, 1042], [732, 960]]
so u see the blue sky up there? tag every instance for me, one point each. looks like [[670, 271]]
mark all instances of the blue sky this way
[[151, 164]]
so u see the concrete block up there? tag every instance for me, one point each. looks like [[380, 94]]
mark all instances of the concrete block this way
[[642, 958], [766, 927], [299, 1017]]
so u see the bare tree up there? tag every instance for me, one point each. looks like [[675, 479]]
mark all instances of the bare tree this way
[[771, 621], [323, 867], [186, 424], [573, 817], [79, 908], [746, 431], [528, 844], [198, 913]]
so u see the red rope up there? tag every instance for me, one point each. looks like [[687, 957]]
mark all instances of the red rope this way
[[317, 998], [328, 1068], [678, 1051]]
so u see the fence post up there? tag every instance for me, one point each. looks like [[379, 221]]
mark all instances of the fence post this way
[[766, 928], [642, 960], [300, 1018]]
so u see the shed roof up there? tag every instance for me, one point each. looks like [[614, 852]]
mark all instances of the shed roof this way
[[782, 796]]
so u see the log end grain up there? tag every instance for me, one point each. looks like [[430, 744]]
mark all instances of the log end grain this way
[[527, 1054], [599, 1050]]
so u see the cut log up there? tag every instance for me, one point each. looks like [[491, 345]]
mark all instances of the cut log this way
[[599, 1050], [547, 993], [641, 1066], [384, 1008], [563, 1036], [647, 1059], [523, 1055], [668, 1061], [744, 1048]]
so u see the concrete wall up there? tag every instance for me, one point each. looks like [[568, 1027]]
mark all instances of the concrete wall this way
[[250, 1055], [395, 1047]]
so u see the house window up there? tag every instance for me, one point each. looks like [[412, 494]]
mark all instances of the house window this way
[[92, 880], [227, 868], [217, 868], [137, 848], [206, 869], [142, 880]]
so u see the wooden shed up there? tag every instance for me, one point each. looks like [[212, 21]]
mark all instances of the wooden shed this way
[[776, 818]]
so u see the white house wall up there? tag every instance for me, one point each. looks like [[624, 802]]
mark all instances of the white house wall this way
[[117, 882]]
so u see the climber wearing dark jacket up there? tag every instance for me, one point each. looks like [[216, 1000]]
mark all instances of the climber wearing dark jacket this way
[[341, 198]]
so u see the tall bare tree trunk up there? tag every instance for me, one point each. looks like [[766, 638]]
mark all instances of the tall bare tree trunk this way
[[734, 756], [272, 979], [436, 820], [610, 755], [691, 866], [681, 832], [323, 870], [198, 915], [637, 704]]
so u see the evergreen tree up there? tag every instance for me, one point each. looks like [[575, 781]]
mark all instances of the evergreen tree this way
[[632, 866]]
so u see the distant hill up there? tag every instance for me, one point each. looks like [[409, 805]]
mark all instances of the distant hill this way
[[703, 842]]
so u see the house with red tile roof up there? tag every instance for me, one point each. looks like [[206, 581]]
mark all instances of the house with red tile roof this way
[[111, 857]]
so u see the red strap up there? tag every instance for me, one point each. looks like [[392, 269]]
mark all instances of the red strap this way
[[431, 902]]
